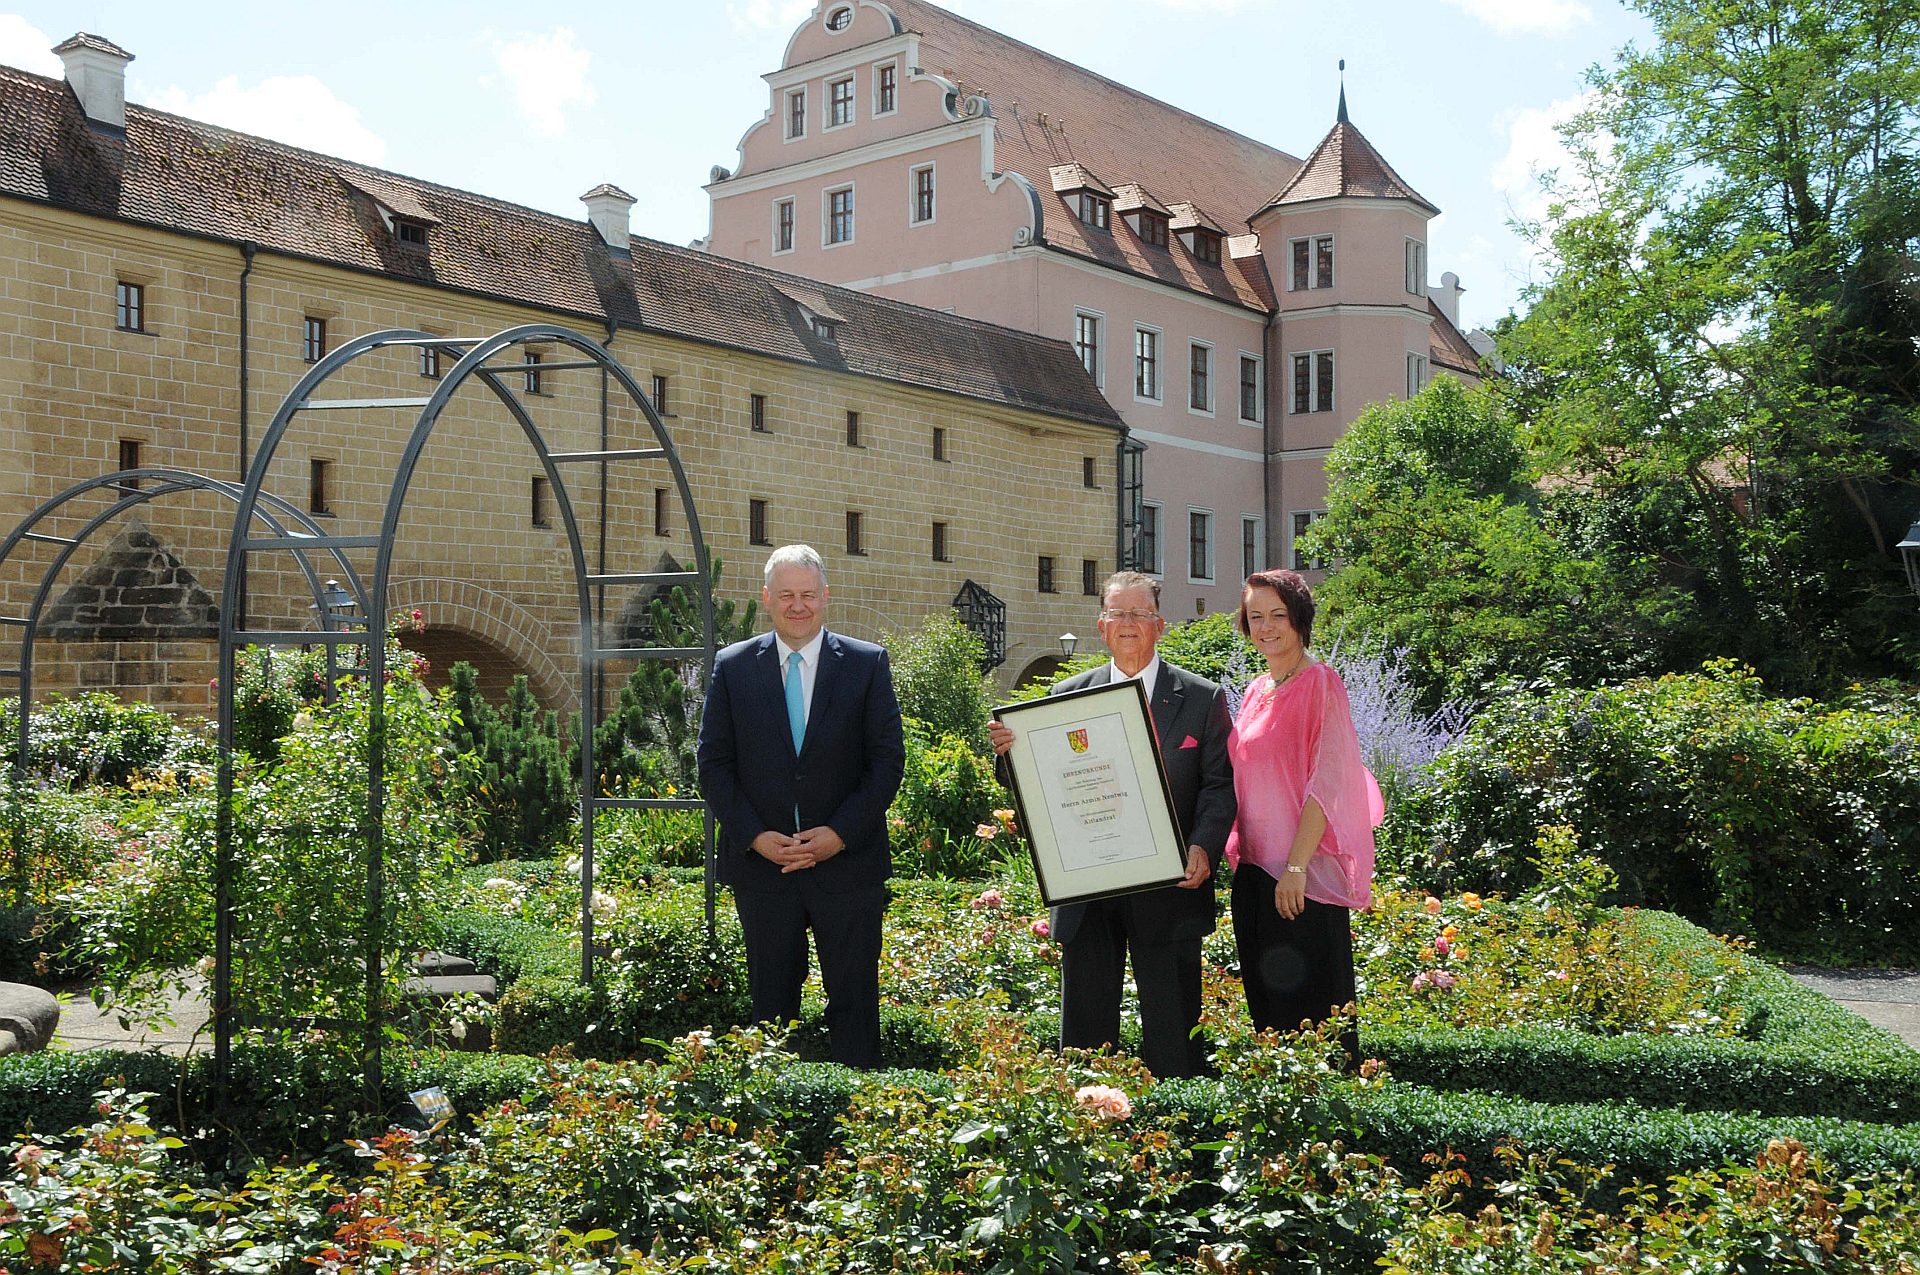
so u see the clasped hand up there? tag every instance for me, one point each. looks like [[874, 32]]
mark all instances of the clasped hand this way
[[807, 848]]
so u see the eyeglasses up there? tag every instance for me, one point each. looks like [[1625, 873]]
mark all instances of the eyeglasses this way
[[1138, 617]]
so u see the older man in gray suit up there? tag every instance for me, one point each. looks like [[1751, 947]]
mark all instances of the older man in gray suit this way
[[1161, 929]]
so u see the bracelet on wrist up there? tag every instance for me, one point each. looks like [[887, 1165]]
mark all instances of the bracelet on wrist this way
[[1296, 868]]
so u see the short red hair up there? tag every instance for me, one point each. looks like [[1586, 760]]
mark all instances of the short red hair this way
[[1295, 594]]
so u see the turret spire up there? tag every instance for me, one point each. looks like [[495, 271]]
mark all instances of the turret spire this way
[[1343, 91]]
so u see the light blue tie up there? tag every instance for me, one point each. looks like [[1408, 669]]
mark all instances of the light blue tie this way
[[796, 705]]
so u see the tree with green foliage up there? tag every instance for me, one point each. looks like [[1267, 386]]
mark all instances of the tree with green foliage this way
[[1722, 349], [520, 781], [936, 674], [1447, 552]]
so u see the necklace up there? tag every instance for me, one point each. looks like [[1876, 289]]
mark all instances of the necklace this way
[[1275, 683]]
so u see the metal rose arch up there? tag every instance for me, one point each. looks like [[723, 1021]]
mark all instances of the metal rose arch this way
[[478, 360]]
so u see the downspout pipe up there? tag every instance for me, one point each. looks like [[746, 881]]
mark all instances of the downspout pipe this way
[[247, 250]]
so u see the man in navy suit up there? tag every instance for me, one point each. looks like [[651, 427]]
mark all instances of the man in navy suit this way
[[800, 754], [1161, 929]]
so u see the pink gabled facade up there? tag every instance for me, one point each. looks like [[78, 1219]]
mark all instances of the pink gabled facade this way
[[909, 152]]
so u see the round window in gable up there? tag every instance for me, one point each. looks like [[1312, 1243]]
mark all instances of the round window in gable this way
[[840, 19]]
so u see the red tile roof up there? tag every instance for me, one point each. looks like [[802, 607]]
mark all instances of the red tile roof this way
[[1050, 112], [1446, 347], [183, 176], [1345, 165]]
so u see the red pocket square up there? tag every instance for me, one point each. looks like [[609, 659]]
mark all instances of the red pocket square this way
[[1189, 742]]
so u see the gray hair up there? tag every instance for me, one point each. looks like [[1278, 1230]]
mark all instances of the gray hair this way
[[795, 556]]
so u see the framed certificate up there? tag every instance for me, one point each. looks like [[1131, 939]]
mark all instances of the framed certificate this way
[[1092, 797]]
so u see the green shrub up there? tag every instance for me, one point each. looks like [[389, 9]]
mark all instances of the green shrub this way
[[937, 676], [518, 780], [544, 1012], [92, 737], [1791, 822], [506, 947], [270, 689], [663, 977], [947, 794]]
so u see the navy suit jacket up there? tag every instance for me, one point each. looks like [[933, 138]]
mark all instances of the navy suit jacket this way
[[1200, 777], [847, 771]]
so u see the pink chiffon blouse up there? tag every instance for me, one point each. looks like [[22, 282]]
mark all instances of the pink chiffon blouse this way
[[1290, 744]]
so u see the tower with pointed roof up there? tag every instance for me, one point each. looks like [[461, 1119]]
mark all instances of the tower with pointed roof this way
[[908, 151]]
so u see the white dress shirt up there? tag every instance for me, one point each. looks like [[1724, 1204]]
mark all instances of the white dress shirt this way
[[809, 668], [1149, 676]]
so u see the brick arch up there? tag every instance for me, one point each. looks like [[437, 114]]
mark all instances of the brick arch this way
[[497, 620]]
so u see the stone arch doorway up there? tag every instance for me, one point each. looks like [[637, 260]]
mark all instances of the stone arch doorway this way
[[1040, 669]]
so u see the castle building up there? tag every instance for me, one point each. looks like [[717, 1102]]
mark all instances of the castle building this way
[[1237, 305], [167, 282]]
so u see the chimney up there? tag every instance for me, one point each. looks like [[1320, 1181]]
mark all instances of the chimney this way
[[1447, 296], [97, 74], [607, 208]]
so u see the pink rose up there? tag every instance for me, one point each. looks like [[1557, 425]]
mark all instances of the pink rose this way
[[1041, 930], [1422, 981], [1104, 1101], [987, 899], [1441, 946], [1432, 905], [1443, 980]]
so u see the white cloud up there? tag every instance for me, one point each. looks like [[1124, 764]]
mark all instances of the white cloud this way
[[1534, 147], [1529, 17], [299, 110], [548, 76], [768, 15], [28, 47]]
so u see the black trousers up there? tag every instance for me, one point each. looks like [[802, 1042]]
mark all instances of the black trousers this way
[[1093, 967], [1294, 971], [846, 933]]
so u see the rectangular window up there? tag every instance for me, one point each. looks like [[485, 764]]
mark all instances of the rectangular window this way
[[1200, 377], [1416, 374], [757, 523], [1152, 229], [1146, 363], [840, 215], [1046, 574], [1312, 264], [662, 518], [939, 443], [1251, 550], [757, 412], [1416, 268], [659, 395], [1313, 382], [1090, 577], [538, 501], [840, 103], [783, 226], [1088, 477], [1249, 388], [430, 361], [853, 429], [130, 459], [1199, 545], [923, 193], [796, 114], [1206, 246], [940, 543], [854, 529], [313, 339], [410, 232], [1094, 209], [1149, 554], [319, 501], [130, 306], [1086, 342], [1302, 520], [532, 373], [886, 88]]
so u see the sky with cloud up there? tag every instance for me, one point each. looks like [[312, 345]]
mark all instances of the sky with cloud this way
[[539, 105]]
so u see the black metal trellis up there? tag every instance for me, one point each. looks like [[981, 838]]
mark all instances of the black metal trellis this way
[[986, 615], [475, 361], [128, 491]]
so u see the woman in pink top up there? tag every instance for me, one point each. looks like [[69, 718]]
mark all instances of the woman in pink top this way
[[1302, 844]]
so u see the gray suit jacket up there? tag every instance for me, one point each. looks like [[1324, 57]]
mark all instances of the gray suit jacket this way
[[1186, 707]]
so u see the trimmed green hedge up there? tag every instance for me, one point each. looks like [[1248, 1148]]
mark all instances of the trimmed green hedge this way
[[1804, 1056], [284, 1096]]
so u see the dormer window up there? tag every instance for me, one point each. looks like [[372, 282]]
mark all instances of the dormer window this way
[[1205, 245], [840, 19], [1094, 209], [1150, 226], [410, 232], [826, 329], [1198, 233]]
